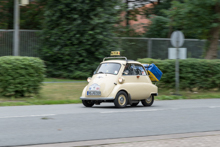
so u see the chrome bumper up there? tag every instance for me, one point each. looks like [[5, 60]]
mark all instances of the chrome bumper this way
[[99, 98]]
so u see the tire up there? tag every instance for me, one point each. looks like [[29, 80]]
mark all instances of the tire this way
[[87, 103], [148, 102], [121, 100], [134, 104]]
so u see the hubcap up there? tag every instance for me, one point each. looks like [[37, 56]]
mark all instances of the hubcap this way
[[148, 100], [89, 102], [121, 100]]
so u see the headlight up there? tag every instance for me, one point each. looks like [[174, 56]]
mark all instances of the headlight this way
[[120, 80], [89, 79]]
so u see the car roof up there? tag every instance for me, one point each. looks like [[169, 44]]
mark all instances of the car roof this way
[[121, 61]]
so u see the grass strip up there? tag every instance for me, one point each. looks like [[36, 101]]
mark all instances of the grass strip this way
[[69, 93], [61, 80], [39, 102]]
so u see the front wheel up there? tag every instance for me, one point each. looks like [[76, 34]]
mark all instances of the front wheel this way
[[121, 99], [87, 103], [148, 102]]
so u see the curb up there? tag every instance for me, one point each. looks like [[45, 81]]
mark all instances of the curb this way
[[127, 140]]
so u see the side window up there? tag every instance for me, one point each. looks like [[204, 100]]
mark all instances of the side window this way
[[139, 70], [129, 69]]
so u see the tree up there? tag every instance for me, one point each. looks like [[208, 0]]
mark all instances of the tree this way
[[77, 35], [131, 9], [6, 13], [157, 7], [200, 19], [158, 28], [31, 15]]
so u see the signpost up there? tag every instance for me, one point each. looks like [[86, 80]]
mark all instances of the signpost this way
[[177, 40], [16, 28], [16, 40]]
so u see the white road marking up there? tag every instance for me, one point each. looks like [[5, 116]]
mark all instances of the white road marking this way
[[157, 109], [131, 111], [214, 106], [148, 110], [28, 116]]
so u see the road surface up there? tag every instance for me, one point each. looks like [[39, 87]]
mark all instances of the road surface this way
[[28, 125]]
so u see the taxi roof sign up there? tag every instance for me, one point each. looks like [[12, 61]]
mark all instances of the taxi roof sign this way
[[115, 53]]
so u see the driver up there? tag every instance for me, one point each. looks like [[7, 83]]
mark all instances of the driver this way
[[127, 70]]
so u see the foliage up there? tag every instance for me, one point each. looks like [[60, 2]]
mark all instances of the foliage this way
[[131, 9], [31, 15], [6, 13], [194, 73], [20, 76], [199, 19], [158, 27], [193, 17], [77, 35], [158, 7], [126, 31]]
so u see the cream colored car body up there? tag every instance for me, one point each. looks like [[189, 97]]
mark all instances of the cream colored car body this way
[[137, 87]]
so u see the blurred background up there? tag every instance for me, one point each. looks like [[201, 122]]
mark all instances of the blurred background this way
[[141, 28], [72, 37]]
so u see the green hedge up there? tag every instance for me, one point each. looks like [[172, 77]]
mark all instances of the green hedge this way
[[194, 73], [20, 76]]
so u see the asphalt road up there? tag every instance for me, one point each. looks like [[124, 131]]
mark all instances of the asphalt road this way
[[26, 125]]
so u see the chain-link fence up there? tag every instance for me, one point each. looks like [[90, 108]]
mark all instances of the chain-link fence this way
[[157, 48], [131, 47], [29, 43]]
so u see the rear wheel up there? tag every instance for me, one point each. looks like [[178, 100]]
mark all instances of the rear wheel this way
[[121, 99], [148, 102], [87, 103]]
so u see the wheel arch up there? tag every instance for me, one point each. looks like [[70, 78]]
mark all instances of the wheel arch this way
[[123, 91], [128, 95], [154, 94]]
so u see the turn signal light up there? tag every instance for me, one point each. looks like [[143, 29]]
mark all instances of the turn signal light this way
[[89, 79], [120, 80]]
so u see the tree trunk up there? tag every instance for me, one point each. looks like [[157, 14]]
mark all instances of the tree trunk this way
[[213, 37], [213, 43], [127, 13]]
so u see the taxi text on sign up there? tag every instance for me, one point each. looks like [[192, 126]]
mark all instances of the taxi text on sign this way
[[115, 53]]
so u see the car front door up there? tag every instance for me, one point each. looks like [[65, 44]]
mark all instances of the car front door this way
[[143, 83], [130, 80], [136, 81]]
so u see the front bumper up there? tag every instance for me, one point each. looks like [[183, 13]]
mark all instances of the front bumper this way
[[99, 98]]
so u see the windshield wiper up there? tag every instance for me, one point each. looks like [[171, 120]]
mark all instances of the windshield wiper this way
[[100, 72]]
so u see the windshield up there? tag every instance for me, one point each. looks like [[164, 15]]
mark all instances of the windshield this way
[[108, 68]]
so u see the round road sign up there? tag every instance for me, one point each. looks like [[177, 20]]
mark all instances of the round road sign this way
[[177, 39]]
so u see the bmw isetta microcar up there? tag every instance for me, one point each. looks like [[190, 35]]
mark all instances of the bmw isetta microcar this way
[[121, 81]]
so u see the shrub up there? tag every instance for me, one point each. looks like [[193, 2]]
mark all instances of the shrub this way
[[193, 73], [20, 76]]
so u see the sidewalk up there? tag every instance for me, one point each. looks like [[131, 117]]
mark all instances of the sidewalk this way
[[205, 141], [200, 139]]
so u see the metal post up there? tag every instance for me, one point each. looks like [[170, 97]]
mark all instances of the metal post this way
[[177, 66], [16, 28], [149, 47]]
